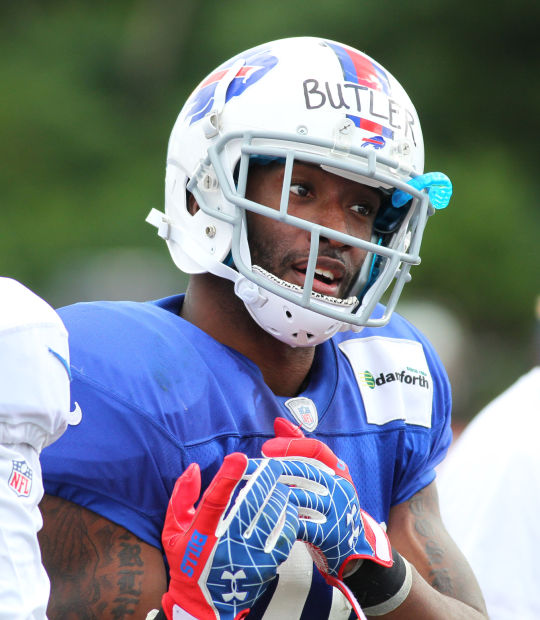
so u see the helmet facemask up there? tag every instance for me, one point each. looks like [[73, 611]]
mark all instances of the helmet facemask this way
[[391, 250]]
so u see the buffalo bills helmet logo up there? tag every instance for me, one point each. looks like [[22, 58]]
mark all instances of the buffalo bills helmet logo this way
[[256, 66], [376, 142]]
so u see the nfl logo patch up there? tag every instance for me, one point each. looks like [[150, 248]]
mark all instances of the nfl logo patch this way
[[304, 412], [20, 479]]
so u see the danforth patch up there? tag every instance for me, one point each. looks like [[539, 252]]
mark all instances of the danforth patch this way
[[393, 377]]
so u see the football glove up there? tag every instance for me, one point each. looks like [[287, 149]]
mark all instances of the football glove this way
[[222, 555], [338, 532]]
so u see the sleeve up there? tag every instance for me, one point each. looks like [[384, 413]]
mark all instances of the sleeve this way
[[117, 462], [34, 408], [34, 369], [23, 581]]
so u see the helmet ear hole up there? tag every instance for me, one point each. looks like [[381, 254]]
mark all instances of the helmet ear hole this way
[[191, 203]]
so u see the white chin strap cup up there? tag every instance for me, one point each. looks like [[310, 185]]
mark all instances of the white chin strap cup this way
[[248, 292]]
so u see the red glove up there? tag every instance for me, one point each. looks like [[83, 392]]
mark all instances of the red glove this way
[[222, 561]]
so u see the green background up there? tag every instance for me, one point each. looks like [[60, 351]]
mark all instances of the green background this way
[[90, 91]]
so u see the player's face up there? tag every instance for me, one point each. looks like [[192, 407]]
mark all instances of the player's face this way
[[320, 197]]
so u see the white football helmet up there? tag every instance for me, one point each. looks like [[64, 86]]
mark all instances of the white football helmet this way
[[299, 99]]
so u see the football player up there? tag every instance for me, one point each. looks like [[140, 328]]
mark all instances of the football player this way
[[296, 198], [34, 412]]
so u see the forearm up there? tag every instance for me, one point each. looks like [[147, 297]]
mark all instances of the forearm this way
[[427, 603], [444, 582]]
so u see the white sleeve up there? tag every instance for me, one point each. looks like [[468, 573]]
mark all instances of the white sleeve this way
[[34, 410], [24, 584], [34, 368]]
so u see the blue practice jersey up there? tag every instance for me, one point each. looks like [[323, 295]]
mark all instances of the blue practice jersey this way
[[157, 393]]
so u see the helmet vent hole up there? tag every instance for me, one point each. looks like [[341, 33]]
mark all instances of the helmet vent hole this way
[[288, 314]]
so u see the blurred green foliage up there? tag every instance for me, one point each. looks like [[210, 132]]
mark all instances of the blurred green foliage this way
[[90, 92]]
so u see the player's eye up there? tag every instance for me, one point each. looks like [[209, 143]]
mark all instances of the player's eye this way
[[300, 189], [362, 209]]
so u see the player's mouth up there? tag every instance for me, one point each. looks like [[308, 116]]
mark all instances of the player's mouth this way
[[327, 278]]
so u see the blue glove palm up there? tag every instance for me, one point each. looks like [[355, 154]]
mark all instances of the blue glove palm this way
[[254, 539]]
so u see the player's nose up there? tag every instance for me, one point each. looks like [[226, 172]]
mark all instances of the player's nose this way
[[332, 215]]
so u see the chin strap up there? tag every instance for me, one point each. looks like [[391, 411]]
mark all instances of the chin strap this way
[[246, 290]]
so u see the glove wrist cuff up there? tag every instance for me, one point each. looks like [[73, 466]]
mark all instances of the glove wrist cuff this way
[[380, 589]]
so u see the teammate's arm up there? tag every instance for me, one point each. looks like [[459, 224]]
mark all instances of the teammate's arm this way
[[98, 570], [443, 582]]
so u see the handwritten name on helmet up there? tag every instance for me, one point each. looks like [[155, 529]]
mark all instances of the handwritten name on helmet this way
[[367, 108]]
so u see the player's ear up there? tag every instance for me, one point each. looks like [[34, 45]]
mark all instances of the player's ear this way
[[192, 205]]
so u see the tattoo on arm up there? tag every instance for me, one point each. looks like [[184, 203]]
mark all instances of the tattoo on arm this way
[[98, 570], [128, 576], [422, 507], [416, 529]]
